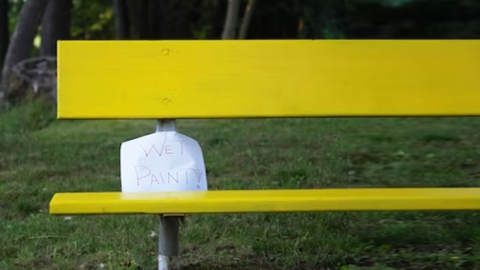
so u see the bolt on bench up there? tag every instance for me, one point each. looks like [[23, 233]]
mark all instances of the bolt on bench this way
[[170, 80]]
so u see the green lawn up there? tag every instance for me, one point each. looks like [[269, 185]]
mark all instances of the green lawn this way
[[37, 160]]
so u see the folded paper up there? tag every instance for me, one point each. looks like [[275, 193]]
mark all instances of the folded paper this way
[[162, 161]]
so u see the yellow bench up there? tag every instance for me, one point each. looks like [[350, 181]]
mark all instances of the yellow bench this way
[[238, 201], [276, 78]]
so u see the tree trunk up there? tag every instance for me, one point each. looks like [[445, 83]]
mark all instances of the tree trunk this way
[[154, 19], [172, 22], [122, 24], [138, 17], [4, 33], [55, 25], [22, 39], [231, 19], [246, 19]]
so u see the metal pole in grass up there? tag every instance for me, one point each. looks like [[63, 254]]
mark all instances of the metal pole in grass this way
[[168, 236]]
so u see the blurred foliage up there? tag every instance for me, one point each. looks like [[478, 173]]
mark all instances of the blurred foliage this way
[[15, 7], [391, 19], [92, 19], [203, 19]]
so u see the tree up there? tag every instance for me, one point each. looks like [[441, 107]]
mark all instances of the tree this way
[[4, 33], [138, 17], [22, 39], [122, 24], [246, 19], [55, 25], [162, 19], [231, 19]]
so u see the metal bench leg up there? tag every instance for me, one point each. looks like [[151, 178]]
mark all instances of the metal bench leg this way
[[168, 236], [168, 244]]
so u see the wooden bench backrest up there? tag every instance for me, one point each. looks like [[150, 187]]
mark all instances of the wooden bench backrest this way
[[274, 78]]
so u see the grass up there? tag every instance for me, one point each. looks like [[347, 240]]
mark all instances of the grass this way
[[40, 156]]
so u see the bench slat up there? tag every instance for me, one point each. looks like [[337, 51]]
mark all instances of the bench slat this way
[[377, 199], [267, 78]]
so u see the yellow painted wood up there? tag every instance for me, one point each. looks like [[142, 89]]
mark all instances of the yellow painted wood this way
[[266, 201], [267, 78]]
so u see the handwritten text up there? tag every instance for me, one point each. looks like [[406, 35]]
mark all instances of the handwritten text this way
[[145, 176], [164, 149]]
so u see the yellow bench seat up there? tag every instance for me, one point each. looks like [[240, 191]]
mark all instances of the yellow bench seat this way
[[250, 201]]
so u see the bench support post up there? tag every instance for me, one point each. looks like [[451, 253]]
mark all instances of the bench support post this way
[[168, 236], [168, 244]]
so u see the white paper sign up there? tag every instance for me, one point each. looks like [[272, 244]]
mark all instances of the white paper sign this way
[[162, 161]]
